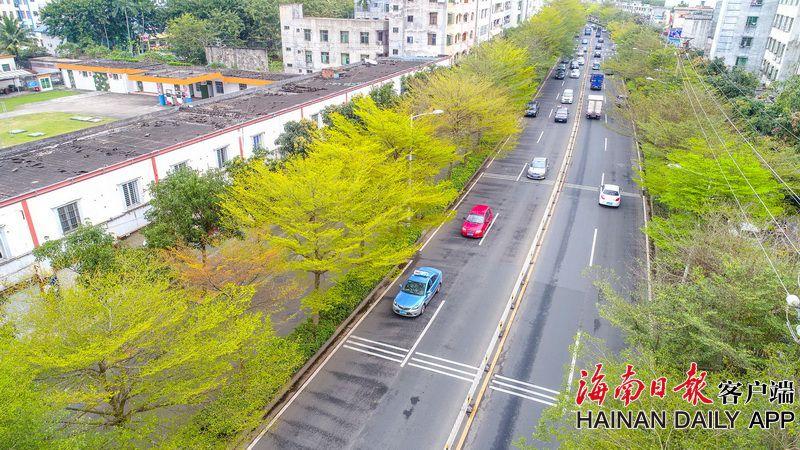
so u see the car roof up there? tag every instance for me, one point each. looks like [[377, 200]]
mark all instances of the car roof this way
[[612, 187], [568, 90], [479, 209], [562, 108], [539, 158], [422, 274]]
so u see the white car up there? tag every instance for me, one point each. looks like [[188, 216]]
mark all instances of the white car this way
[[581, 62], [610, 195], [567, 96], [575, 73]]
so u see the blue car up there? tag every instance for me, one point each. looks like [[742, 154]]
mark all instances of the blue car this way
[[417, 291]]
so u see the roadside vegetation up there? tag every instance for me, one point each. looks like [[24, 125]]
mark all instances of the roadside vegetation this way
[[723, 231], [165, 346]]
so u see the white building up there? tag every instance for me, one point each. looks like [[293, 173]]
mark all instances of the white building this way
[[695, 24], [28, 12], [100, 175], [741, 31], [635, 7], [396, 28], [782, 50]]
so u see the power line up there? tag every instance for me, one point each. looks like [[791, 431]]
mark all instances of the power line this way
[[687, 87], [741, 172]]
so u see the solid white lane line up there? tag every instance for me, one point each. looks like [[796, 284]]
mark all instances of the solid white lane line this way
[[526, 384], [603, 178], [490, 163], [488, 229], [557, 93], [562, 83], [447, 360], [523, 396], [442, 366], [540, 137], [574, 359], [524, 166], [591, 255], [373, 353], [379, 343], [606, 116], [551, 111], [605, 143], [547, 182], [439, 371], [527, 391], [424, 330], [377, 349]]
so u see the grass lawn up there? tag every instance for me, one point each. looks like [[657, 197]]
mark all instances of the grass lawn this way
[[51, 124], [15, 101]]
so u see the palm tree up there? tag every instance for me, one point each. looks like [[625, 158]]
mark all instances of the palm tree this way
[[14, 36]]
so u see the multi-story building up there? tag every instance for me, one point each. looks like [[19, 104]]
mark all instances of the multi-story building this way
[[27, 12], [634, 7], [741, 31], [395, 28], [782, 50], [695, 24]]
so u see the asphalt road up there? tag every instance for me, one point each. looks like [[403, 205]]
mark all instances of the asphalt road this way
[[399, 383]]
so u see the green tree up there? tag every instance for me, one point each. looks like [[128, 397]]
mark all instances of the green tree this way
[[14, 36], [188, 37], [185, 209], [229, 28], [506, 65], [296, 138], [127, 344], [87, 250]]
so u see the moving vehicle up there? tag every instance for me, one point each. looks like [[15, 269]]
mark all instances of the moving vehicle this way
[[575, 73], [598, 46], [562, 114], [573, 64], [601, 40], [596, 82], [537, 169], [587, 31], [610, 195], [417, 292], [560, 75], [477, 222], [594, 108], [596, 66], [567, 96], [532, 109], [584, 41], [598, 54], [562, 67], [581, 62]]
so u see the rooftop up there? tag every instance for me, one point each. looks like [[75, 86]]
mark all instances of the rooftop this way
[[30, 167]]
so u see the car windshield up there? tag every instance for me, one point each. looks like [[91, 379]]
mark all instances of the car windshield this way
[[414, 287], [610, 192], [475, 218], [537, 164]]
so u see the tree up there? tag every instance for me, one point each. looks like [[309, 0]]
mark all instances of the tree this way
[[185, 210], [188, 37], [108, 22], [506, 65], [121, 348], [87, 250], [229, 28], [14, 36], [296, 138]]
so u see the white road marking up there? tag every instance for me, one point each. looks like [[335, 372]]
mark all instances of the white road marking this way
[[490, 163], [424, 330], [378, 343], [487, 230], [527, 384], [373, 353], [520, 395], [558, 93], [377, 349], [605, 143], [603, 179], [591, 255], [422, 361], [446, 360], [524, 166], [440, 371], [606, 117], [562, 83], [551, 112], [540, 137], [499, 176], [574, 359], [527, 391]]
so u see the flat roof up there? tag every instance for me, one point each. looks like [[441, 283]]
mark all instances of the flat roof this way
[[27, 168]]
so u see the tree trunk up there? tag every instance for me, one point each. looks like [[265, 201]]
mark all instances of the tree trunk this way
[[128, 26]]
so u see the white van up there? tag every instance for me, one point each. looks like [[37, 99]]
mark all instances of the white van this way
[[566, 97]]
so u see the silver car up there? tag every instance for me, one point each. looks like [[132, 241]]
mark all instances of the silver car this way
[[537, 169]]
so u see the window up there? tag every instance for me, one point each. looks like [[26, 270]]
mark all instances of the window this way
[[6, 67], [307, 34], [4, 254], [752, 21], [115, 76], [345, 59], [139, 86], [315, 118], [325, 57], [242, 86], [431, 38], [741, 61], [323, 35], [309, 57], [218, 87], [69, 217], [364, 57], [449, 18], [409, 39], [395, 51], [46, 83], [84, 73], [286, 27], [433, 18], [449, 39], [364, 36], [179, 166], [395, 30], [222, 156], [410, 18], [746, 42], [288, 49], [257, 139], [395, 7], [130, 193], [344, 37]]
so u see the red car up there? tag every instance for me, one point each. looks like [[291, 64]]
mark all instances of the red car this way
[[477, 222]]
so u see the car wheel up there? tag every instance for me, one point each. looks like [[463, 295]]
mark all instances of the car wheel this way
[[422, 310], [438, 288]]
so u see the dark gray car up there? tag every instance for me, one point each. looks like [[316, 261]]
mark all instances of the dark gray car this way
[[562, 114]]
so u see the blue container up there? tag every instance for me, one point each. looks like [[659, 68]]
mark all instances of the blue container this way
[[162, 99]]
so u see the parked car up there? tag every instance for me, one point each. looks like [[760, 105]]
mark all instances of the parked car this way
[[610, 195], [567, 96], [596, 66], [532, 109], [575, 73], [537, 169], [477, 222], [417, 292], [562, 114]]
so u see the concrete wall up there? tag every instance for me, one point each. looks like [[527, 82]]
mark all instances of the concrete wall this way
[[99, 196], [239, 58], [731, 27]]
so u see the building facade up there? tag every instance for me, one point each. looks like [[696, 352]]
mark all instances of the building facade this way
[[741, 31], [695, 24], [782, 50], [395, 28], [28, 12]]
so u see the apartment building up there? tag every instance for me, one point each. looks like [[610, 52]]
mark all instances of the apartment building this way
[[395, 28], [741, 32], [695, 24], [782, 50], [28, 12], [638, 8]]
